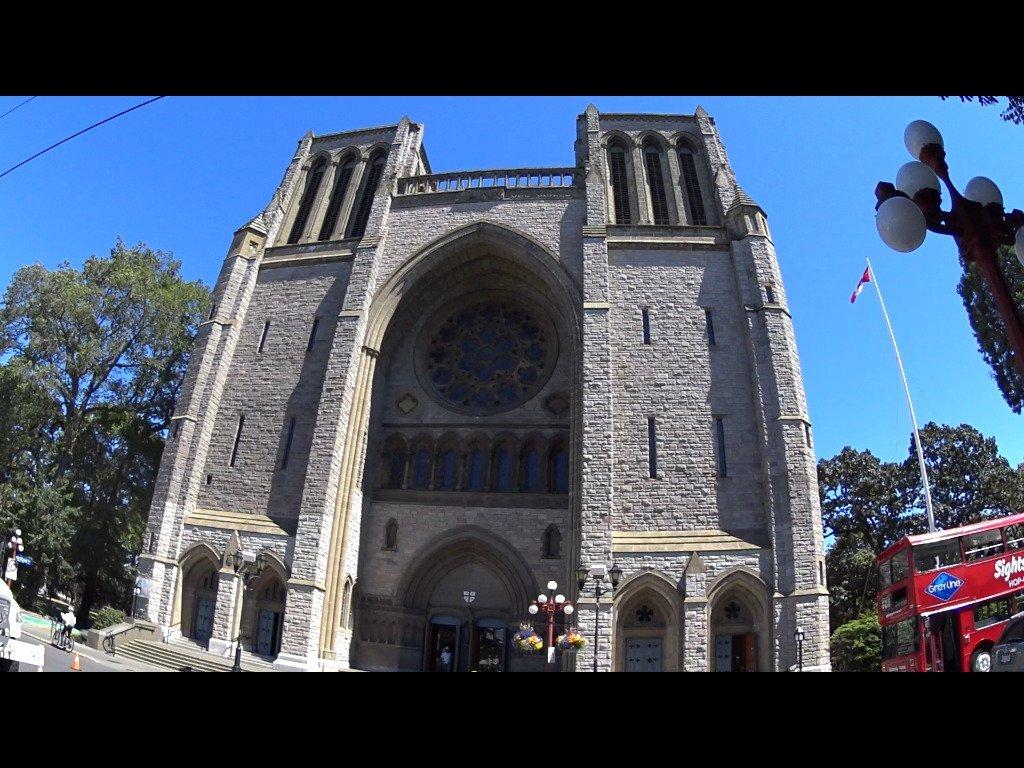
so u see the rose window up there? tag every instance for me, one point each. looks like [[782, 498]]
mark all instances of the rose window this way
[[489, 357]]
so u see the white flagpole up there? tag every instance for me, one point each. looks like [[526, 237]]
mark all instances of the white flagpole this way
[[906, 388]]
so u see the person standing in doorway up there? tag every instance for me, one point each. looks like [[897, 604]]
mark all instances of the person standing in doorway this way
[[446, 659]]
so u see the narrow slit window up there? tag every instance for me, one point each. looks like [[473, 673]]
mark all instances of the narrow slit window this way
[[652, 448], [807, 434], [720, 444], [213, 311], [209, 479], [177, 429], [288, 443], [647, 325], [312, 333], [238, 438], [709, 322], [263, 336], [769, 292]]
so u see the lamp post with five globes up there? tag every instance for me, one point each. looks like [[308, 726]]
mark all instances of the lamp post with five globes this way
[[551, 604], [976, 219]]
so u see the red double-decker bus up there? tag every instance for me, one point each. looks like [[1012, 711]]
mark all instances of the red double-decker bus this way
[[945, 597]]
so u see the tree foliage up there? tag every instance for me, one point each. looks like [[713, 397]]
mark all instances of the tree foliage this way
[[93, 360], [989, 328], [1014, 112], [868, 504], [856, 646]]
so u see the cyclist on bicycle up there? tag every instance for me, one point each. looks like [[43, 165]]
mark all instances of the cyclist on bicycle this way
[[69, 620]]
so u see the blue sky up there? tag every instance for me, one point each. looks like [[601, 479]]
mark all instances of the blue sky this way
[[183, 173]]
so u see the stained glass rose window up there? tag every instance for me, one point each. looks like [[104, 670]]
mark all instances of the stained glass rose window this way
[[489, 357]]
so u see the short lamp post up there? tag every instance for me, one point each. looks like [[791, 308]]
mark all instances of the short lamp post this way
[[551, 604], [799, 637], [248, 567], [598, 572], [15, 545], [976, 220]]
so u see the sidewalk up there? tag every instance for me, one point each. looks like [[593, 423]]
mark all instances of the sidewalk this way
[[39, 628]]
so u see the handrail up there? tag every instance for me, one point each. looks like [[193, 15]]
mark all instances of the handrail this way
[[509, 178], [109, 644]]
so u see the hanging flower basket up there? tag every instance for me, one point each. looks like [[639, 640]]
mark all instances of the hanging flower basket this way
[[571, 641], [526, 640]]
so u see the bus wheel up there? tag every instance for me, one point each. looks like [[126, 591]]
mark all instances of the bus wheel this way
[[981, 661]]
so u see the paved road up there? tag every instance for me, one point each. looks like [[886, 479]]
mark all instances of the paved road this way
[[57, 660]]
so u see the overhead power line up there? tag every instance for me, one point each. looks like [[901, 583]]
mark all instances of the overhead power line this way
[[74, 135], [26, 101]]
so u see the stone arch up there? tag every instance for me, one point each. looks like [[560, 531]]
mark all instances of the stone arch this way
[[263, 608], [476, 247], [460, 545], [196, 593], [745, 588], [654, 595], [421, 462], [504, 462], [532, 460], [469, 241]]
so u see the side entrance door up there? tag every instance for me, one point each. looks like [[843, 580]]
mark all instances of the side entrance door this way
[[265, 633], [643, 654], [204, 620]]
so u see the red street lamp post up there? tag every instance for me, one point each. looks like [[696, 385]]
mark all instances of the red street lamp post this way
[[551, 604], [976, 219]]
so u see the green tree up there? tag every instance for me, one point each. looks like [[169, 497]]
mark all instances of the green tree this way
[[865, 498], [852, 579], [969, 480], [107, 346], [856, 646], [988, 326]]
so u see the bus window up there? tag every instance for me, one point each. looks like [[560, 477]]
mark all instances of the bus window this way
[[900, 567], [894, 601], [991, 612], [885, 574], [978, 546], [1014, 535], [941, 554], [1018, 602], [899, 639]]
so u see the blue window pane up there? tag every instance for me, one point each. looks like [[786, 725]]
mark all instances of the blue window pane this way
[[422, 477], [532, 471], [397, 468], [477, 470], [503, 483], [561, 471], [448, 470]]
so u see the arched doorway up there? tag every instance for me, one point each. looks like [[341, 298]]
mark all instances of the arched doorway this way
[[647, 625], [198, 596], [263, 610], [738, 621], [461, 601]]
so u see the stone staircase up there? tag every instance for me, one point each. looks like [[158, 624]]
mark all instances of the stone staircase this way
[[179, 655]]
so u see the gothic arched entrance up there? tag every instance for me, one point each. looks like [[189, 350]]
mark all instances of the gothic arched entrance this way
[[739, 640], [197, 599]]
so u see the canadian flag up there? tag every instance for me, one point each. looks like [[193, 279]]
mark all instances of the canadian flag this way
[[864, 279]]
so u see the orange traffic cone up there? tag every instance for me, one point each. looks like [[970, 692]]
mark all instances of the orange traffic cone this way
[[76, 665]]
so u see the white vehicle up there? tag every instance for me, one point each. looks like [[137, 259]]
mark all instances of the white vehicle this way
[[13, 651]]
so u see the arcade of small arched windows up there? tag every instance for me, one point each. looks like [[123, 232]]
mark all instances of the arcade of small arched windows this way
[[663, 168], [474, 463]]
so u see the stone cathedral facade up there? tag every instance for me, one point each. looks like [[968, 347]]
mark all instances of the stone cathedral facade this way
[[419, 397]]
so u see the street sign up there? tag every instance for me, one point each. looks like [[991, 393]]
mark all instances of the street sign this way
[[12, 571], [24, 560]]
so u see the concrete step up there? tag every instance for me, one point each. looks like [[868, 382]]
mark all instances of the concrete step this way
[[175, 657]]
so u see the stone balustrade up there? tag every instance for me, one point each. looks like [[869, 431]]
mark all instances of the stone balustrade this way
[[512, 178]]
